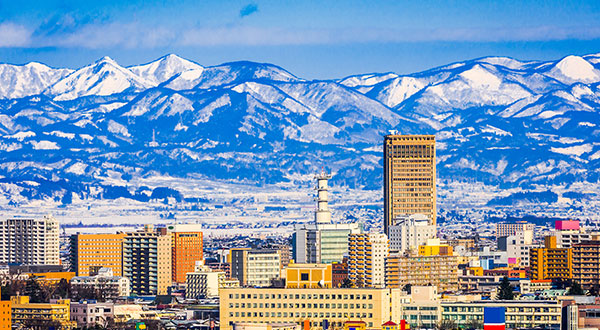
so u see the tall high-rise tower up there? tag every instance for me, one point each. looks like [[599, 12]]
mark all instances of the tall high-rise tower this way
[[322, 214], [409, 177]]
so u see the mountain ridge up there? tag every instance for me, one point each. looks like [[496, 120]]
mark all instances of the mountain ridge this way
[[511, 125]]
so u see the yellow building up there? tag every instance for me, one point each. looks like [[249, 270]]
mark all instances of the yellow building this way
[[435, 248], [366, 259], [280, 305], [409, 177], [438, 270], [308, 276], [90, 252], [5, 315], [187, 248], [550, 262], [41, 316]]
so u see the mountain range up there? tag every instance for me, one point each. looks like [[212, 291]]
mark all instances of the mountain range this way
[[528, 130]]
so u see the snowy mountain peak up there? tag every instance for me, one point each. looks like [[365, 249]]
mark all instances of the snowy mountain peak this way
[[106, 59], [164, 68], [103, 77], [33, 78], [575, 69]]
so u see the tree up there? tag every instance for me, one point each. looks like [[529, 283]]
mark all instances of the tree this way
[[473, 324], [575, 289], [505, 291], [34, 291], [446, 325], [347, 283]]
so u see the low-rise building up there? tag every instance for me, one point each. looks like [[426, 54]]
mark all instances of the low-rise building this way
[[41, 316], [281, 305], [534, 286], [5, 315], [105, 284], [527, 314], [339, 273], [308, 276], [205, 282], [89, 313]]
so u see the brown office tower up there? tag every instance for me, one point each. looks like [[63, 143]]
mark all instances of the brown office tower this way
[[409, 177]]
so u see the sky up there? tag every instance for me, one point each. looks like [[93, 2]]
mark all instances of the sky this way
[[312, 39]]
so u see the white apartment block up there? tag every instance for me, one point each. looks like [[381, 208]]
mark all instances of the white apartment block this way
[[366, 261], [409, 232], [30, 241], [517, 246], [254, 267], [508, 229]]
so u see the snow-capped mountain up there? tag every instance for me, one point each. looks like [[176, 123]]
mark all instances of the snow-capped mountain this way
[[511, 126]]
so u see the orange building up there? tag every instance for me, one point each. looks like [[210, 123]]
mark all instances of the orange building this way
[[5, 315], [550, 262], [90, 252], [51, 278], [187, 248]]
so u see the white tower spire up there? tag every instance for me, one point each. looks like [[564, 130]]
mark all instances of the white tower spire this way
[[322, 214]]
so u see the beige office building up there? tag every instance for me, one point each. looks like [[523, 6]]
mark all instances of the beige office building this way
[[409, 177], [147, 261], [279, 305]]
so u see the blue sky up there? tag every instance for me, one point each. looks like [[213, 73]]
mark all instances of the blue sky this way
[[312, 39]]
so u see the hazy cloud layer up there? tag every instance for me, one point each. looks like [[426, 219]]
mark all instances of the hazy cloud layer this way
[[135, 35]]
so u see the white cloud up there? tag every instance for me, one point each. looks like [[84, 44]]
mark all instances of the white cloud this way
[[14, 35]]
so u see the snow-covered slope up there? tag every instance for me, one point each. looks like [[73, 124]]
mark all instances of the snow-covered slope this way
[[18, 81], [164, 68], [104, 77]]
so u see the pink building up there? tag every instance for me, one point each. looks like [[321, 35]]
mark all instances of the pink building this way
[[566, 225]]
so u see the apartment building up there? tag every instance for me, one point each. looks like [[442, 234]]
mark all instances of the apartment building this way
[[147, 261], [29, 241], [438, 270], [90, 252], [409, 177], [187, 249], [366, 260], [89, 313], [517, 246], [280, 305], [254, 267], [510, 229], [38, 316], [551, 262], [406, 233], [586, 264]]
